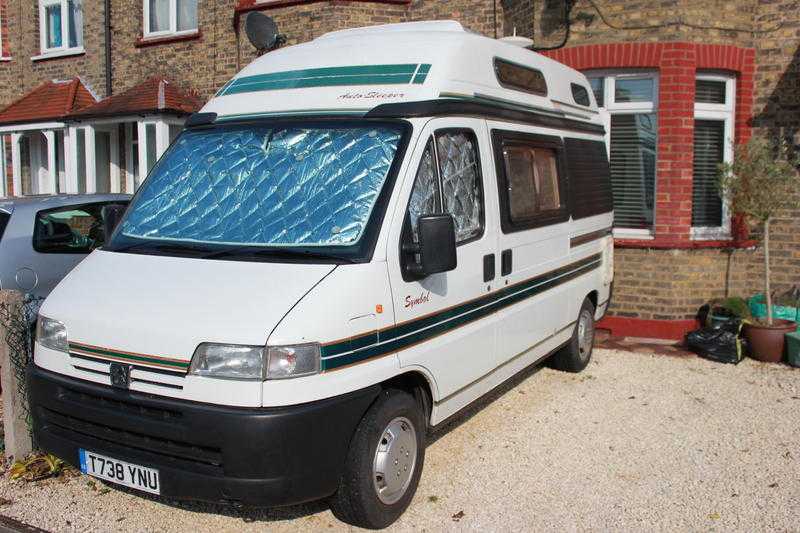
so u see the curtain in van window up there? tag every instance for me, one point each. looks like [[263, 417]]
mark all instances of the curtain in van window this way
[[461, 182]]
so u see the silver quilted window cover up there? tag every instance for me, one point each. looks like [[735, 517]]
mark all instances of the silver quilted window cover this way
[[260, 185], [425, 196], [461, 182]]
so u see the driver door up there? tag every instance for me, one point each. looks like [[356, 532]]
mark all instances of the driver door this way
[[443, 322]]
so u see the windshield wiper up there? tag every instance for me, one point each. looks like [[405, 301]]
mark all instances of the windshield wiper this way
[[241, 251], [164, 248]]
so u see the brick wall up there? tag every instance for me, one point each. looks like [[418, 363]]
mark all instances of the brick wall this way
[[665, 283]]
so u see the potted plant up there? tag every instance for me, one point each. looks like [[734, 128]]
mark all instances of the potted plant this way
[[759, 182], [722, 310]]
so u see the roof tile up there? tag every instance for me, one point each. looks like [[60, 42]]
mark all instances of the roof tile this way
[[52, 100], [154, 95]]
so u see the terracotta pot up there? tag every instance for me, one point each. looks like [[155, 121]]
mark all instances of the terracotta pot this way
[[767, 342]]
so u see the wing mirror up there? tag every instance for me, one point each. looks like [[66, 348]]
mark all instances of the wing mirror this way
[[112, 214], [435, 250]]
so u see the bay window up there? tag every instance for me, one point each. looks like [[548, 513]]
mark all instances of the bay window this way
[[60, 26], [713, 137], [631, 100], [169, 17]]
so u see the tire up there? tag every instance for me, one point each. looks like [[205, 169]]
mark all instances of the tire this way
[[365, 497], [578, 352]]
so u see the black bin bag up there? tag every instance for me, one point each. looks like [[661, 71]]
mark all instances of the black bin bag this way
[[720, 342]]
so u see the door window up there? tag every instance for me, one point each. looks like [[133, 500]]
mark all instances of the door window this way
[[69, 229], [449, 175]]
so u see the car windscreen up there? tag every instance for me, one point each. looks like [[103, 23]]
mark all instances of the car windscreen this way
[[265, 186], [4, 218]]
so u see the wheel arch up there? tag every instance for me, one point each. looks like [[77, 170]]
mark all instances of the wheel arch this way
[[420, 384]]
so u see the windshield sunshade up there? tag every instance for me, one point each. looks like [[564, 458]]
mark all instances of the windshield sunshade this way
[[265, 186]]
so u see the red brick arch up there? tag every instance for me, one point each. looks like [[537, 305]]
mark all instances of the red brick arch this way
[[677, 64]]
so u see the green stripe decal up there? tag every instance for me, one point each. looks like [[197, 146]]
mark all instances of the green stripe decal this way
[[133, 358], [330, 77], [396, 338]]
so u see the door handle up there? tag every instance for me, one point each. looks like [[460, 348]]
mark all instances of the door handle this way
[[488, 267], [506, 263]]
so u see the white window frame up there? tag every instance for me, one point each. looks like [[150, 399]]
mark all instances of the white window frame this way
[[65, 48], [628, 108], [173, 22], [724, 113]]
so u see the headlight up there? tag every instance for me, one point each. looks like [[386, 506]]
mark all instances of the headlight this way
[[292, 361], [234, 361], [52, 334], [230, 361]]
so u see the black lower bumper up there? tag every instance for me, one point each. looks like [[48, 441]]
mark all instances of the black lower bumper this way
[[259, 456]]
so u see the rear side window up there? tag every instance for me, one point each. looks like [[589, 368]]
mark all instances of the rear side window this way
[[4, 218], [531, 181], [513, 76], [580, 94], [69, 229], [589, 177], [449, 181]]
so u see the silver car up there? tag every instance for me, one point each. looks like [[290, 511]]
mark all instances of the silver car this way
[[42, 238]]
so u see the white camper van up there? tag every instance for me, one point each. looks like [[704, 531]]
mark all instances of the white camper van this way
[[356, 238]]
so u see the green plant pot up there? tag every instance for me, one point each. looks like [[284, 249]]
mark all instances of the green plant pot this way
[[793, 349]]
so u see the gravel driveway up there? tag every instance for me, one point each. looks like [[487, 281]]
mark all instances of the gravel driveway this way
[[635, 442]]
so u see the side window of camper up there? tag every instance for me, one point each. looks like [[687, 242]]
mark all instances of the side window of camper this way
[[449, 181], [532, 189], [426, 196]]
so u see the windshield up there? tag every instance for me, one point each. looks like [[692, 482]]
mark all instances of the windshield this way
[[263, 186]]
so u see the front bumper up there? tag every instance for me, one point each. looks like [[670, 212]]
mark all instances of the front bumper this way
[[262, 457]]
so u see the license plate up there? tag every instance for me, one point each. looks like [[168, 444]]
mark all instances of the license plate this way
[[116, 471]]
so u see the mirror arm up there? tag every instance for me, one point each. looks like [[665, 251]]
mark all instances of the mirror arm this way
[[412, 267]]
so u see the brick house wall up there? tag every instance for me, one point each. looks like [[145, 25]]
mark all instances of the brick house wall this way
[[660, 284]]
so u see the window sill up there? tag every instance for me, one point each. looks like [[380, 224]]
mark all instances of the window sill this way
[[6, 59], [143, 42], [672, 244], [254, 5], [69, 52]]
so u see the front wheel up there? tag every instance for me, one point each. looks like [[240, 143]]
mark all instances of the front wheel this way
[[576, 355], [384, 463]]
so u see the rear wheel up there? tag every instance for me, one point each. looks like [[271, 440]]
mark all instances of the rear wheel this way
[[384, 463], [576, 355]]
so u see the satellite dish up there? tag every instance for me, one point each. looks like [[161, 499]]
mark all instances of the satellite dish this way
[[262, 32]]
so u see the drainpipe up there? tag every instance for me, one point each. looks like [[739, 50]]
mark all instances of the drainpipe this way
[[108, 47]]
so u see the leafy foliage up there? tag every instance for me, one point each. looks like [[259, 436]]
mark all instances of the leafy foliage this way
[[761, 179], [36, 467]]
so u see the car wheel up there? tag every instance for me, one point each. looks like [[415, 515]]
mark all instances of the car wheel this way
[[384, 463], [576, 355]]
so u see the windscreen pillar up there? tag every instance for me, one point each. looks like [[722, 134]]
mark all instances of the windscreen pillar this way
[[17, 436]]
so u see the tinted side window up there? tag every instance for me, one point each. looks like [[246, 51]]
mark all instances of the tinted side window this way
[[69, 229], [4, 218], [589, 177], [530, 177], [518, 77], [448, 180], [580, 94]]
